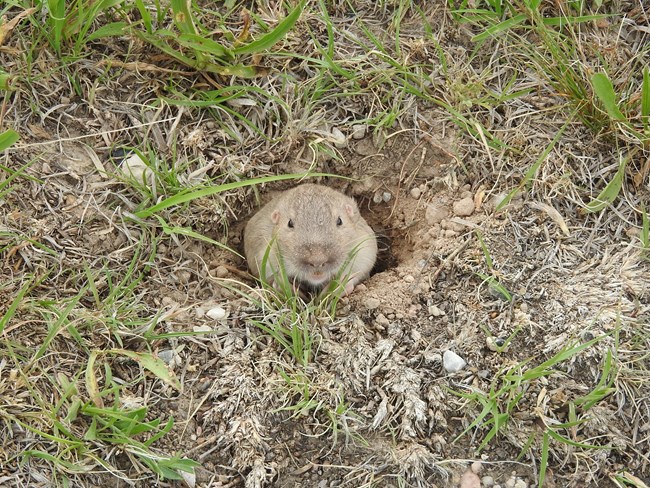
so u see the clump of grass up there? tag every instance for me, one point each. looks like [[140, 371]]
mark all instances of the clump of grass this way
[[514, 385], [73, 415]]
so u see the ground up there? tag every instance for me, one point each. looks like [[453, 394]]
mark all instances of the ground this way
[[113, 317]]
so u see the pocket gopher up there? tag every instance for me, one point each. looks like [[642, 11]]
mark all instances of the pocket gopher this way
[[316, 233]]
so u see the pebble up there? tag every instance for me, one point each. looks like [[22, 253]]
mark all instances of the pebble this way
[[488, 481], [476, 467], [217, 313], [416, 193], [409, 279], [452, 362], [359, 131], [339, 139], [464, 207], [221, 271], [470, 480], [372, 303], [435, 311], [516, 482], [166, 355], [135, 167], [435, 213], [382, 320], [386, 196], [497, 199], [202, 328], [365, 147]]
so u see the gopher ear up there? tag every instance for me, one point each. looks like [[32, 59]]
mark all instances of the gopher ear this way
[[351, 210], [275, 216]]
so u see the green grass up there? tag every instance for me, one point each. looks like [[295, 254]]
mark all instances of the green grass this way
[[514, 385], [75, 411]]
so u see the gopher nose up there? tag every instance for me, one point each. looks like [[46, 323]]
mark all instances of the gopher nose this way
[[316, 258]]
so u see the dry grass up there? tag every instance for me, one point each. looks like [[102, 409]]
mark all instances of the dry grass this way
[[112, 372]]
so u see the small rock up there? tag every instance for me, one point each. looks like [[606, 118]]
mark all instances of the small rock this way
[[183, 276], [135, 167], [435, 213], [409, 279], [378, 197], [464, 207], [416, 193], [386, 196], [221, 271], [167, 355], [217, 313], [382, 320], [476, 467], [452, 362], [339, 139], [359, 131], [520, 483], [202, 328], [470, 480], [488, 481], [435, 311], [372, 303]]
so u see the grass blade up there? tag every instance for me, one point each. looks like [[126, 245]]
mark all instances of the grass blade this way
[[192, 195], [532, 171], [610, 192], [8, 138], [153, 364], [645, 98], [605, 92], [269, 39], [499, 28]]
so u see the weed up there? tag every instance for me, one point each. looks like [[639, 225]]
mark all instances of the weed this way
[[513, 386]]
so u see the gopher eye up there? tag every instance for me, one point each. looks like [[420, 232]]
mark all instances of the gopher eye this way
[[339, 221], [290, 224]]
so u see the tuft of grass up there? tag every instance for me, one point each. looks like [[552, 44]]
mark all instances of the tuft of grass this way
[[191, 43], [515, 384], [75, 414], [491, 279]]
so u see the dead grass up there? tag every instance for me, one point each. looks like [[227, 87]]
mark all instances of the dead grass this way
[[104, 331]]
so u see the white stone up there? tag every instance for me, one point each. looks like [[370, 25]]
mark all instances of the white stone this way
[[464, 207], [202, 328], [416, 193], [166, 355], [359, 131], [217, 313], [488, 481], [339, 139], [452, 362], [372, 303], [435, 311], [435, 213], [135, 167]]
